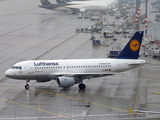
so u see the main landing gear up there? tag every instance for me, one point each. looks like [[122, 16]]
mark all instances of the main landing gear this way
[[27, 84], [82, 86]]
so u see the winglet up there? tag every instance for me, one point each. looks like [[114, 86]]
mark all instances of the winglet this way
[[131, 50]]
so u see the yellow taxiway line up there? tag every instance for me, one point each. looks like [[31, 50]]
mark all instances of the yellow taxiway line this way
[[79, 100], [37, 109], [64, 97], [84, 101], [156, 93]]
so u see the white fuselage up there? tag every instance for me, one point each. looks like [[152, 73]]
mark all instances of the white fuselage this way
[[106, 2], [51, 69], [90, 5], [97, 7]]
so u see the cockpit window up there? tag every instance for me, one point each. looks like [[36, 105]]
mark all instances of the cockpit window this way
[[16, 67]]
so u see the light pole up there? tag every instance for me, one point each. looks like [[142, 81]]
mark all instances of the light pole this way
[[137, 7], [146, 21]]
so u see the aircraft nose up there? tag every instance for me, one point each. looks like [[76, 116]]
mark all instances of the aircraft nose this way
[[8, 73]]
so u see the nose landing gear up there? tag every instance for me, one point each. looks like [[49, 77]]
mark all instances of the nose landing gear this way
[[27, 84]]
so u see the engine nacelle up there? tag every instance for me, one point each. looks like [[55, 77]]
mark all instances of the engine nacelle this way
[[65, 81], [82, 10], [43, 80]]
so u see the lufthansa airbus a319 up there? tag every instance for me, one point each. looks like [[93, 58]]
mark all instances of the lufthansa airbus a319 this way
[[73, 71]]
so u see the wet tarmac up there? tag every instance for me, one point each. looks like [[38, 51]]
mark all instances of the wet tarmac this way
[[29, 32]]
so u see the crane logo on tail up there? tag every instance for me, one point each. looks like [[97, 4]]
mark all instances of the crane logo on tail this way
[[134, 45]]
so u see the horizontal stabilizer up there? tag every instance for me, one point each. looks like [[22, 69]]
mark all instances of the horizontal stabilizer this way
[[138, 62]]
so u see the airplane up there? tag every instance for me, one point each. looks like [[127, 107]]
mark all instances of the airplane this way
[[76, 7], [68, 72]]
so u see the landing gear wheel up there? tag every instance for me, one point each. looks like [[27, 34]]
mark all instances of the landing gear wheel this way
[[27, 86], [82, 86]]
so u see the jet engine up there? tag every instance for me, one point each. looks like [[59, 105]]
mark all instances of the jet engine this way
[[82, 10], [65, 81]]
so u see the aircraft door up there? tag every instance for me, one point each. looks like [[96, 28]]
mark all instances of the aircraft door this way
[[118, 66], [30, 68], [20, 70], [67, 68]]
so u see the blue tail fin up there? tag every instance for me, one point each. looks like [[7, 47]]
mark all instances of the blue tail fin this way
[[131, 50]]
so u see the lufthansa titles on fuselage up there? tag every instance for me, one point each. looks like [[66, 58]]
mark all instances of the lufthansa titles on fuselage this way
[[46, 63]]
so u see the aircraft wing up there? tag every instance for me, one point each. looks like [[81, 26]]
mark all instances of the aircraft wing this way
[[83, 75]]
